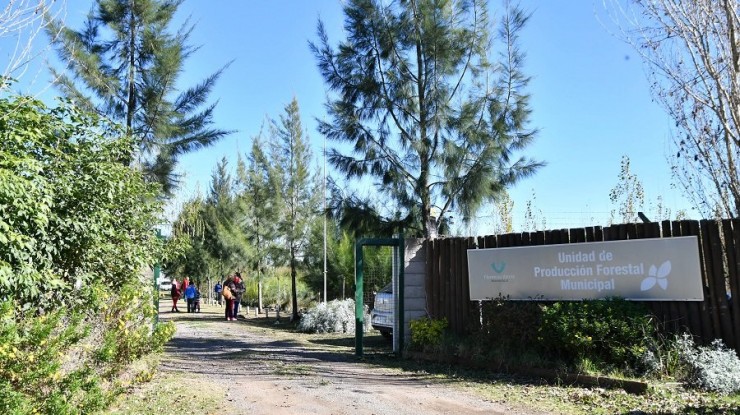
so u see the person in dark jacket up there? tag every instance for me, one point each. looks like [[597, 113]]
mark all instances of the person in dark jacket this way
[[218, 288], [196, 300], [238, 291]]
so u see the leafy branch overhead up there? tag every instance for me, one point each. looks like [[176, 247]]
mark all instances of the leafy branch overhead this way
[[430, 116]]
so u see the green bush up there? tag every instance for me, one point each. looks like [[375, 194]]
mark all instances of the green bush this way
[[76, 231], [510, 326], [426, 333], [35, 373], [610, 333], [276, 290], [127, 331]]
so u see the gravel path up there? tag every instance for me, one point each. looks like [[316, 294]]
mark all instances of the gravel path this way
[[259, 373]]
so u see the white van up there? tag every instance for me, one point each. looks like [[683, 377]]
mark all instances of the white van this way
[[381, 317]]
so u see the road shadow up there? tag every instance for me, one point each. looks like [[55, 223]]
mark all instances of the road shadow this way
[[212, 346]]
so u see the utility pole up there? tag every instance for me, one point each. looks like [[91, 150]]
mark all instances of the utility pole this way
[[325, 271]]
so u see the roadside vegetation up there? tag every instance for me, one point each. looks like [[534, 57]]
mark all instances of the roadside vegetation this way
[[514, 390], [76, 234], [611, 338]]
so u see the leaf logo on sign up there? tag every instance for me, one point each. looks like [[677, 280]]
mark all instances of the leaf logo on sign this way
[[498, 267], [657, 276]]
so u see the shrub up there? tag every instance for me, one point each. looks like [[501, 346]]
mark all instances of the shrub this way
[[714, 368], [510, 326], [612, 332], [335, 316], [127, 333], [427, 333], [76, 230], [35, 371]]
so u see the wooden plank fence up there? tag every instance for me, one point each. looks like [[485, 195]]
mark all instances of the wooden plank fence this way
[[717, 317]]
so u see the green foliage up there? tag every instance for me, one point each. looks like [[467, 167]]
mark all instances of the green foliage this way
[[510, 326], [74, 223], [427, 113], [213, 240], [68, 208], [297, 186], [276, 289], [612, 332], [189, 229], [35, 352], [340, 253], [259, 209], [128, 60], [127, 332], [427, 333]]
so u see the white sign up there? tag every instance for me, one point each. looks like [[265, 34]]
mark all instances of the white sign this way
[[659, 269]]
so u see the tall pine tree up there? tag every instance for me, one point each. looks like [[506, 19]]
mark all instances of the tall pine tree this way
[[427, 113], [125, 63], [259, 202], [298, 188], [223, 238]]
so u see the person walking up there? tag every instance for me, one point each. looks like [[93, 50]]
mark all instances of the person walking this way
[[175, 294], [196, 300], [217, 289], [229, 298], [190, 297], [238, 291], [184, 285]]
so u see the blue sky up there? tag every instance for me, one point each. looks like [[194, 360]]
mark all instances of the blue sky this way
[[590, 97]]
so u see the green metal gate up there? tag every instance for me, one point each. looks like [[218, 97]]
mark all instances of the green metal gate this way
[[397, 283]]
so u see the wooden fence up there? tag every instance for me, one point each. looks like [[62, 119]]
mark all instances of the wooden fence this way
[[448, 293]]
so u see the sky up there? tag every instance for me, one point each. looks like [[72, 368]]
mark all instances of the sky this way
[[590, 98]]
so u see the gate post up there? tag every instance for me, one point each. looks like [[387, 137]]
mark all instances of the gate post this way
[[359, 302], [398, 330]]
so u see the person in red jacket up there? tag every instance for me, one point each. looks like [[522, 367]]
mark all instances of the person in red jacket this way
[[229, 286], [184, 285], [175, 294]]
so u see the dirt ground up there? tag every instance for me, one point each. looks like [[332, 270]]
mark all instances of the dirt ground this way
[[257, 369]]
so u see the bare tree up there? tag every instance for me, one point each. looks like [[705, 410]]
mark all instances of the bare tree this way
[[693, 57], [21, 21], [628, 195]]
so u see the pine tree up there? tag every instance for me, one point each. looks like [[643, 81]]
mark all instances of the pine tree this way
[[259, 204], [124, 63], [429, 117], [297, 186], [223, 237]]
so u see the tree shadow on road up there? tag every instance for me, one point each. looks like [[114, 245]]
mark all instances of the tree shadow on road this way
[[247, 354]]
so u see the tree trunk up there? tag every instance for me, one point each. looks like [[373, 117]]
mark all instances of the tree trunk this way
[[131, 104], [294, 316], [259, 296], [259, 289]]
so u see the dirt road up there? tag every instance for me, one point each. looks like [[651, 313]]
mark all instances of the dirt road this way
[[258, 369]]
